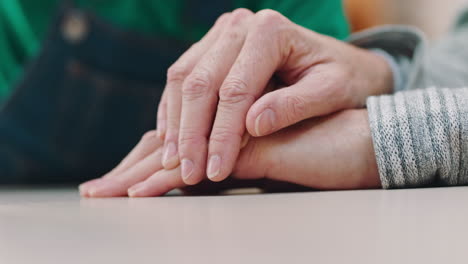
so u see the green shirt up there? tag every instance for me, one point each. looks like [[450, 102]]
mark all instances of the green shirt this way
[[23, 23]]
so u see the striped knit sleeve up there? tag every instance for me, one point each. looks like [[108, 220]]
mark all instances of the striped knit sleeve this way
[[421, 137]]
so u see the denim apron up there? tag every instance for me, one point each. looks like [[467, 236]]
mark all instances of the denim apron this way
[[84, 102]]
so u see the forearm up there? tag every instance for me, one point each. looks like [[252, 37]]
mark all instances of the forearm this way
[[416, 64], [421, 137]]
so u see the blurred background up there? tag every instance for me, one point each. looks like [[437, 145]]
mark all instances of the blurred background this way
[[432, 16]]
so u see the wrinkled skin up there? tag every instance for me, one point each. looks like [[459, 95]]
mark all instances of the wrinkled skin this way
[[215, 92], [327, 153]]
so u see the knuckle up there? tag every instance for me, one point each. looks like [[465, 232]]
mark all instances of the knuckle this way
[[269, 18], [272, 27], [296, 108], [235, 30], [224, 136], [196, 85], [188, 138], [238, 15], [234, 91], [233, 35], [177, 72], [172, 134], [223, 18]]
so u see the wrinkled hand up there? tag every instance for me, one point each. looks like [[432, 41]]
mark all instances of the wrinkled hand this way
[[213, 91], [333, 152]]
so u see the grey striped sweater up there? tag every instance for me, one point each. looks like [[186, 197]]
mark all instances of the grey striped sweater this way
[[420, 133]]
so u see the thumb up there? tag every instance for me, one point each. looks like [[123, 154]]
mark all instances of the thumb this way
[[289, 105]]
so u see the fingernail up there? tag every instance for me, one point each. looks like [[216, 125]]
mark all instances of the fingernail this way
[[86, 186], [169, 154], [187, 168], [83, 190], [265, 122], [97, 191], [214, 166], [104, 188], [92, 192]]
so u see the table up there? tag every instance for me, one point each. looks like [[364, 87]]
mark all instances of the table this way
[[42, 225]]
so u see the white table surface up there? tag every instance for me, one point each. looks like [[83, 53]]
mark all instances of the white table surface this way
[[404, 226]]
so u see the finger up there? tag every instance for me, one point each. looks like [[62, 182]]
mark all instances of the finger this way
[[311, 97], [200, 96], [117, 186], [254, 159], [245, 140], [161, 125], [84, 187], [214, 188], [176, 75], [158, 184], [259, 58], [147, 145]]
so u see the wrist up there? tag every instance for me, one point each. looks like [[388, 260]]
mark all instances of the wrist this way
[[381, 77], [374, 76], [371, 177], [398, 80]]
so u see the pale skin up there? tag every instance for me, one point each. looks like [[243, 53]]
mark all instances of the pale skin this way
[[328, 153], [226, 86]]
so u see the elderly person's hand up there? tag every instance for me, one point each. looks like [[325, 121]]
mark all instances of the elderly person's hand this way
[[333, 152], [217, 89]]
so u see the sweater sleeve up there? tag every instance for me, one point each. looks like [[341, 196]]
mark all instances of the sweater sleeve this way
[[420, 65], [420, 133], [421, 137]]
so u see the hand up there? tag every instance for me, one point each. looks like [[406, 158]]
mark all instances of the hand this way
[[333, 152], [213, 91]]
